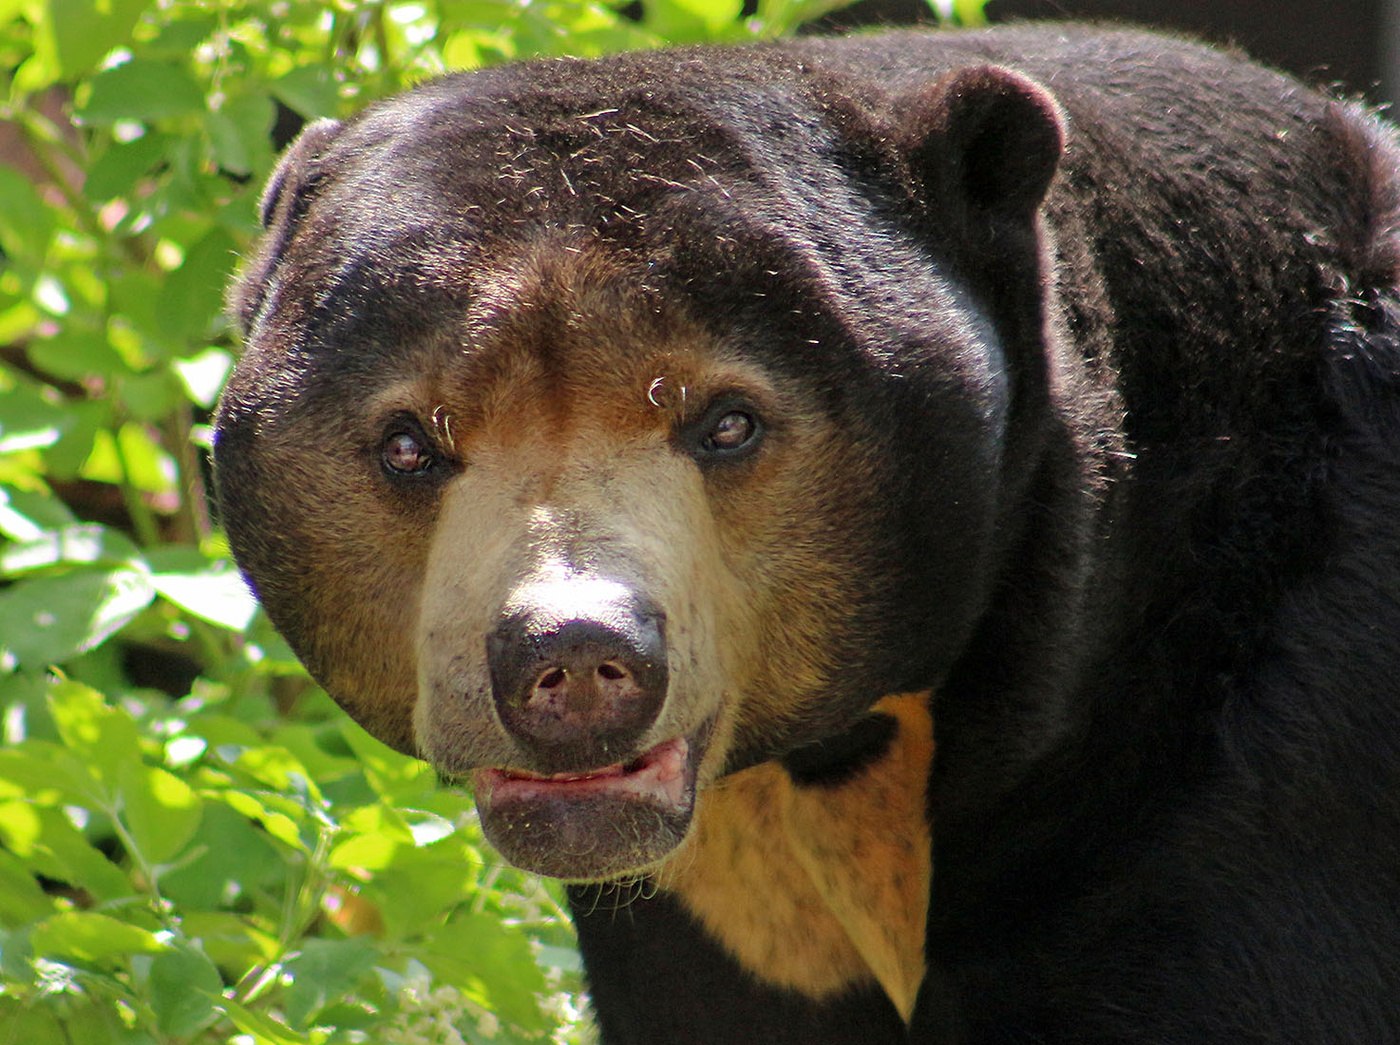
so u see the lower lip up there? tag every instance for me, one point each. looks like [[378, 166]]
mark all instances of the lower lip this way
[[658, 775]]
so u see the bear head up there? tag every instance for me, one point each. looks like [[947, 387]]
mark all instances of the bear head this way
[[606, 427]]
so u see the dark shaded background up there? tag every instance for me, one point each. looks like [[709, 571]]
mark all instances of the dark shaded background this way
[[1346, 42]]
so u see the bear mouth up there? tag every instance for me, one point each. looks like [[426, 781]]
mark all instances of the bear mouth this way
[[615, 820]]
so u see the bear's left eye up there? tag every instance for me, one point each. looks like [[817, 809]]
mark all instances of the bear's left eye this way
[[406, 453], [728, 431], [731, 432]]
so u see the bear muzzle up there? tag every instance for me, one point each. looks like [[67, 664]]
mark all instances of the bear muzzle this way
[[580, 679]]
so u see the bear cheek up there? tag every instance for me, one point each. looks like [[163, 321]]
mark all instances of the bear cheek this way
[[336, 566]]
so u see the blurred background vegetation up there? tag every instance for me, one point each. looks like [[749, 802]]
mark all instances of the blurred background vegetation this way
[[195, 846]]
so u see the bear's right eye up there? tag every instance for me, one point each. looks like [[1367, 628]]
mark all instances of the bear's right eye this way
[[406, 453]]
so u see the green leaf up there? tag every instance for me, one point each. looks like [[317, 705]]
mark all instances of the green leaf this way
[[60, 852], [240, 133], [21, 899], [26, 223], [148, 467], [214, 592], [203, 375], [227, 860], [27, 1024], [74, 354], [416, 885], [91, 937], [31, 772], [75, 445], [46, 620], [79, 33], [151, 396], [118, 170], [30, 420], [265, 1029], [309, 90], [184, 987], [26, 514], [323, 973], [193, 297], [80, 543], [392, 773], [160, 810], [106, 737], [142, 90], [498, 957], [685, 20], [277, 823]]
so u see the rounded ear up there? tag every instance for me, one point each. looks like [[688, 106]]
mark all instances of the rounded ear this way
[[281, 208], [984, 137]]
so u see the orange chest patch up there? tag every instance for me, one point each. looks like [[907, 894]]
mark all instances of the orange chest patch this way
[[819, 889]]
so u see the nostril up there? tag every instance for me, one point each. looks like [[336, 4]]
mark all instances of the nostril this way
[[552, 679], [611, 671]]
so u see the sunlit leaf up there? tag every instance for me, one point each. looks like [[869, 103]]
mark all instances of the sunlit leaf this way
[[323, 973], [216, 593], [278, 824], [45, 620], [80, 543], [21, 898], [26, 224], [89, 936], [133, 456], [142, 90], [29, 420], [81, 32], [26, 514], [265, 1030], [203, 375], [309, 90], [185, 987], [160, 810], [190, 302]]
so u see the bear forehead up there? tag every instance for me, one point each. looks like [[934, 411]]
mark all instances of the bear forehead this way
[[638, 150], [635, 191]]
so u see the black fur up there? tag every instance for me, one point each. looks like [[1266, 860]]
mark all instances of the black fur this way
[[1115, 320]]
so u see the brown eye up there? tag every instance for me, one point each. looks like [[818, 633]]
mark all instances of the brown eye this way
[[406, 454], [728, 431], [731, 432]]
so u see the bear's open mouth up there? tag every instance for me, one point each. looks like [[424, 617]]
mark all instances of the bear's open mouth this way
[[615, 820]]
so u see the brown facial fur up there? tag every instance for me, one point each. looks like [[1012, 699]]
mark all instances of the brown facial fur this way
[[819, 889], [565, 422], [559, 418]]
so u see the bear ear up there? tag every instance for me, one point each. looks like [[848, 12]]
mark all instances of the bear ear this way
[[281, 208], [984, 137]]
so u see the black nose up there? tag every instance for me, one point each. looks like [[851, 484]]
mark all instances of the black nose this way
[[579, 692]]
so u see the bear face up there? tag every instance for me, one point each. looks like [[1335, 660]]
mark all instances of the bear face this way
[[569, 447]]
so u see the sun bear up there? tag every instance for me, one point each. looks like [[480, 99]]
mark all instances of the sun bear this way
[[908, 525]]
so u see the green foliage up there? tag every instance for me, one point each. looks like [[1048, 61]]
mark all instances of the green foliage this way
[[195, 846]]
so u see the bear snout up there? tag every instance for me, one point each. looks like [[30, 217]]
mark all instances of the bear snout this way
[[580, 691]]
